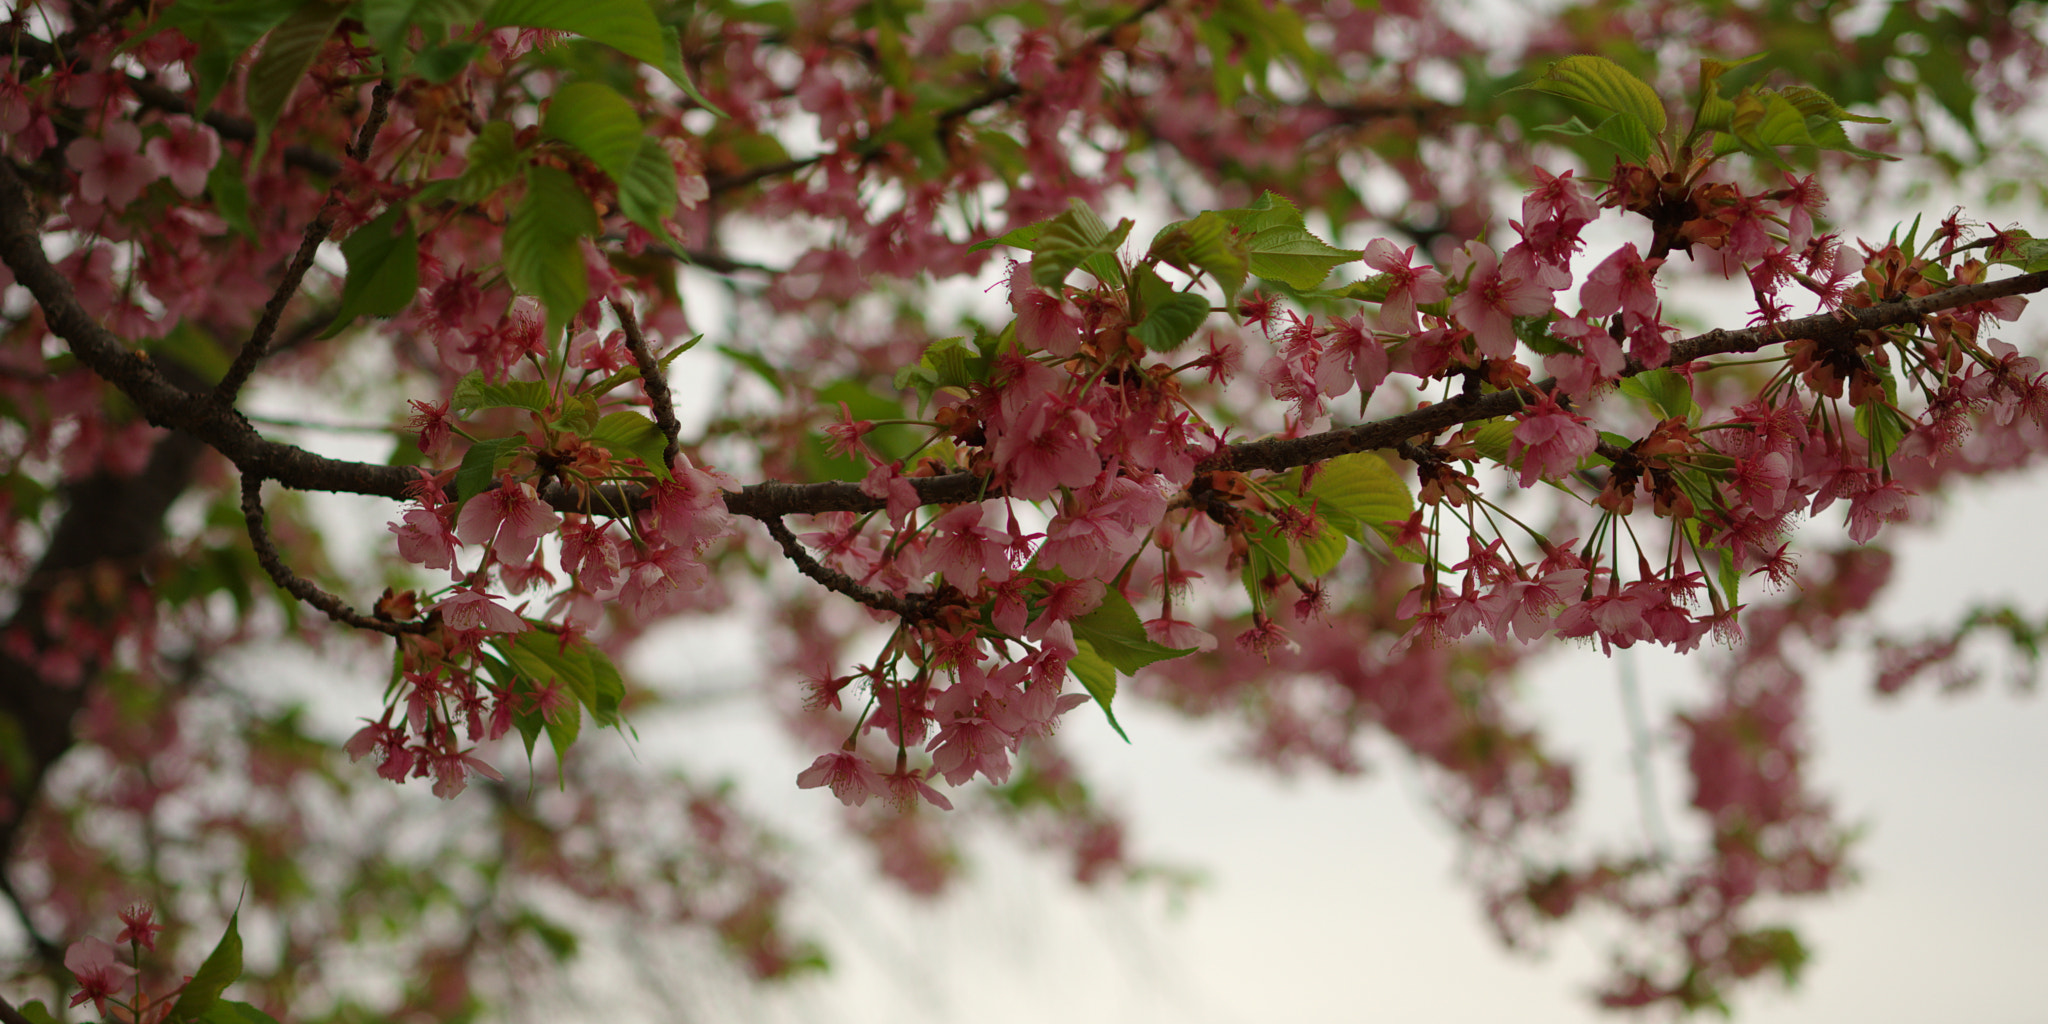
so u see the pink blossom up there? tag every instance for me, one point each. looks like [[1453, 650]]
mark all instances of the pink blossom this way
[[1870, 510], [100, 974], [509, 516], [111, 169], [138, 926], [850, 775], [1599, 359], [1041, 323], [1352, 356], [451, 772], [185, 155], [886, 481], [1496, 291], [1623, 282], [1407, 286], [424, 539], [688, 509], [905, 787], [1550, 440], [969, 547], [1050, 446], [471, 609], [1178, 634]]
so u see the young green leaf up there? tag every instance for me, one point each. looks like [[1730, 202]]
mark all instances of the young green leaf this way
[[221, 968], [1098, 677], [542, 252], [631, 435], [474, 393], [287, 54], [1293, 256], [628, 26], [383, 270], [600, 123], [1167, 317], [1602, 83], [494, 160]]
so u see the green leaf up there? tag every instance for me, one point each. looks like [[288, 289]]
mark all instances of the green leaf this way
[[287, 54], [1025, 238], [438, 64], [1118, 638], [1624, 133], [1712, 110], [540, 656], [36, 1013], [1602, 83], [1356, 493], [390, 22], [647, 194], [230, 194], [1208, 245], [221, 968], [1098, 677], [631, 435], [480, 465], [1293, 256], [1078, 238], [473, 393], [542, 254], [600, 123], [1882, 427], [228, 1011], [628, 26], [383, 270], [757, 363], [1664, 391], [1168, 317], [494, 159], [222, 30], [1271, 210]]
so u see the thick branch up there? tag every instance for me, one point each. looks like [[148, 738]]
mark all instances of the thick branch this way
[[220, 427]]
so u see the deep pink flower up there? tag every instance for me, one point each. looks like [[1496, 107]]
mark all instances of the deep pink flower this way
[[1050, 446], [138, 925], [1599, 360], [1550, 440], [111, 169], [688, 509], [969, 546], [850, 775]]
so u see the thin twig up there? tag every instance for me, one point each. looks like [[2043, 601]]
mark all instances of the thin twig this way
[[296, 585], [913, 608], [653, 382], [288, 286]]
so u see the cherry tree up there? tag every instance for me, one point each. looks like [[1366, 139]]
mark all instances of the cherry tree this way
[[1234, 464]]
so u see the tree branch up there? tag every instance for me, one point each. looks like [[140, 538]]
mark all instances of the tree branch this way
[[296, 585], [653, 382], [287, 286], [913, 608], [169, 406]]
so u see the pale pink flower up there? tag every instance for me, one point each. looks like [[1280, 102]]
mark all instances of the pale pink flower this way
[[1870, 510], [185, 155], [424, 539], [510, 516], [850, 775], [905, 786], [99, 972], [1351, 356], [1623, 282], [1041, 323], [1496, 291], [1051, 445], [887, 482], [471, 609], [111, 169], [1408, 286], [688, 509], [969, 546], [1598, 361], [1178, 634]]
